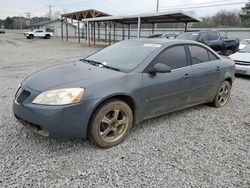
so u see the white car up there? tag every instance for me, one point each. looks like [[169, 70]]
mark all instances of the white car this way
[[39, 33], [242, 60], [244, 43]]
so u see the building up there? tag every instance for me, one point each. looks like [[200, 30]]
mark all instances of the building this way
[[55, 27]]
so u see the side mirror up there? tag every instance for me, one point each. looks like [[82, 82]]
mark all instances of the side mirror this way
[[159, 68]]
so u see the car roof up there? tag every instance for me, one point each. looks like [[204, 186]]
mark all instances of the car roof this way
[[164, 42]]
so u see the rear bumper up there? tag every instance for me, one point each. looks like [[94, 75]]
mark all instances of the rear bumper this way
[[242, 69], [68, 121]]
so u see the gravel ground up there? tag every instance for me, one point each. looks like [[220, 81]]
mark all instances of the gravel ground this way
[[197, 147]]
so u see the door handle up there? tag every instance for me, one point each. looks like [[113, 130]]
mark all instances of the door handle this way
[[186, 76], [218, 68]]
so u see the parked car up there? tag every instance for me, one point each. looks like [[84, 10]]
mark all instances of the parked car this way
[[164, 35], [242, 60], [2, 32], [244, 43], [39, 33], [101, 96], [214, 40]]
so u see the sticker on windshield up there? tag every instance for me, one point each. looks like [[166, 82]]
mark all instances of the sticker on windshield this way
[[152, 45]]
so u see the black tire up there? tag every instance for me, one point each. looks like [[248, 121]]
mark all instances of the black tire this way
[[223, 95], [47, 36], [228, 52], [110, 124], [31, 36]]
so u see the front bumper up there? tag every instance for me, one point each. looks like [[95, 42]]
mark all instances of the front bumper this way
[[242, 69], [67, 121]]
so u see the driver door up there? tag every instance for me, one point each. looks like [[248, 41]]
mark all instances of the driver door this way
[[165, 92]]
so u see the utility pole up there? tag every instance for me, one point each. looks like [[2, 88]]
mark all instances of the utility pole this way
[[50, 11], [21, 22], [157, 10], [28, 14], [157, 6]]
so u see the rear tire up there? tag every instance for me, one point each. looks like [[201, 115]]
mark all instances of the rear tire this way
[[110, 124], [47, 36], [30, 36], [228, 52], [223, 95]]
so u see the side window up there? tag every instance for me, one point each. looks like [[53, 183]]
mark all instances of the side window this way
[[212, 57], [198, 54], [203, 37], [175, 57], [213, 35]]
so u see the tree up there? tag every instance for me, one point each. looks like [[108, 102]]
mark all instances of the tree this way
[[245, 15], [8, 23], [1, 23], [226, 18]]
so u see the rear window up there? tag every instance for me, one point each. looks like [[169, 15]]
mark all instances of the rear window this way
[[213, 36], [188, 36]]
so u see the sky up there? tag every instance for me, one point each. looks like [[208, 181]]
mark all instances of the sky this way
[[114, 7]]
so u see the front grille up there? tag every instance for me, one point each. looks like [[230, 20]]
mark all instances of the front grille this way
[[22, 96], [242, 63]]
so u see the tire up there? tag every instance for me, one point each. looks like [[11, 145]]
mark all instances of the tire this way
[[228, 52], [47, 36], [223, 95], [31, 36], [110, 124]]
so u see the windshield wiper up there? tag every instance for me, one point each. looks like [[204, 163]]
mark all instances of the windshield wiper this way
[[95, 63]]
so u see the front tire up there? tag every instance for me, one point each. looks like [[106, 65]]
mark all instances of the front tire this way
[[110, 124], [223, 95]]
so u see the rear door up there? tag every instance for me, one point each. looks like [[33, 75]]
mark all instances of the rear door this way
[[207, 73], [164, 92]]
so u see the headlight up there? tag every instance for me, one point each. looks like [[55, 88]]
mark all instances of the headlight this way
[[60, 96]]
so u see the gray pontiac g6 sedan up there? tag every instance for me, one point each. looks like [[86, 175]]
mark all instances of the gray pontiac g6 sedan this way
[[103, 95]]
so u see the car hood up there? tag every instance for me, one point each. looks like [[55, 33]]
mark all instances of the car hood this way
[[74, 74], [241, 56]]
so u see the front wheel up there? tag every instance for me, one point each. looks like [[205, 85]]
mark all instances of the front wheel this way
[[111, 123], [222, 95]]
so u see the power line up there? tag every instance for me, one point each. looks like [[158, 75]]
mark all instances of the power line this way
[[208, 6]]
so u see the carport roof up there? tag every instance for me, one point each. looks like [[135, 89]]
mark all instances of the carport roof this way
[[161, 17], [84, 14], [48, 22]]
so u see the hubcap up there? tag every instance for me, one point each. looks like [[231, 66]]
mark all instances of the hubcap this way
[[113, 125], [223, 95]]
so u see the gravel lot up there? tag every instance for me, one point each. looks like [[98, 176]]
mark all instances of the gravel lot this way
[[197, 147]]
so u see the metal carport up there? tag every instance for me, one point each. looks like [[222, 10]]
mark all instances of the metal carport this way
[[79, 16], [147, 18]]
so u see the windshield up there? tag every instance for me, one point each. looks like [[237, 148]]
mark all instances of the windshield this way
[[188, 36], [245, 49], [124, 56]]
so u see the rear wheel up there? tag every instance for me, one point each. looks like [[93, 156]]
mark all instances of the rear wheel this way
[[228, 52], [222, 95], [47, 36], [31, 36], [110, 123]]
